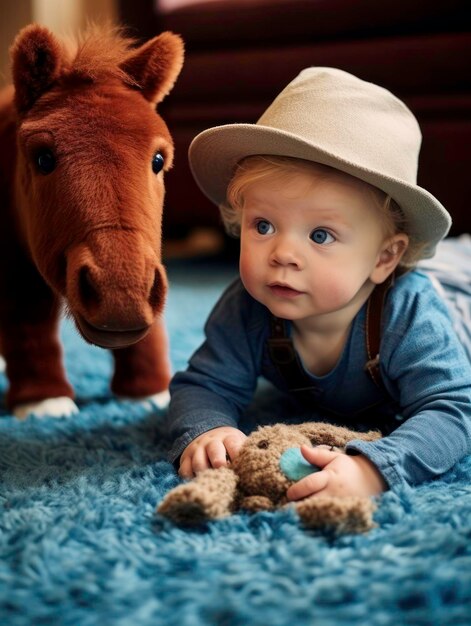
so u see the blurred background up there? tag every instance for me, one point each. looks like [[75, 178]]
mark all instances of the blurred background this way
[[61, 16], [241, 53]]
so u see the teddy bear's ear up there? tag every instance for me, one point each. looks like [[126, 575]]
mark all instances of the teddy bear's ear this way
[[155, 66], [36, 61], [371, 435], [320, 433]]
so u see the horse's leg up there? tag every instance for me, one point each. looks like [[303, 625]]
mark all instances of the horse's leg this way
[[143, 369], [30, 345]]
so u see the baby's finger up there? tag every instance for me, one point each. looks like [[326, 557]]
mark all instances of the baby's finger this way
[[233, 444], [308, 485], [200, 460], [319, 455], [185, 470], [216, 452]]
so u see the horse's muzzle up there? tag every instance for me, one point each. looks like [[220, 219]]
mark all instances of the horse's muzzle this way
[[108, 338], [114, 291]]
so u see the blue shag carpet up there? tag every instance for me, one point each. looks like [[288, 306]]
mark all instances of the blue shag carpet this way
[[80, 543]]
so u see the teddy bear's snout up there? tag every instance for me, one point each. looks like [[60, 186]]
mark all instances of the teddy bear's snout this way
[[294, 466]]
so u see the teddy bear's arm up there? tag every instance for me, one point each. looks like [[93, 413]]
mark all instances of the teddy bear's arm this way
[[256, 503], [353, 514], [210, 495]]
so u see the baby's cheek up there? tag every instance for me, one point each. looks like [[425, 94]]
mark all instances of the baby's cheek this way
[[340, 289], [248, 273]]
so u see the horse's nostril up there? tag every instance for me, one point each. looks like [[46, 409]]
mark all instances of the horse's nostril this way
[[89, 295]]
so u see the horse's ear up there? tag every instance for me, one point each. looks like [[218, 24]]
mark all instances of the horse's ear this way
[[155, 66], [36, 60]]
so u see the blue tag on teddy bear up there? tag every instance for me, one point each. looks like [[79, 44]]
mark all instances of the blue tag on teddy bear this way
[[294, 466]]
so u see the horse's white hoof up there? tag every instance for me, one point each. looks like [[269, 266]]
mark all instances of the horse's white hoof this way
[[51, 407], [159, 400], [3, 365]]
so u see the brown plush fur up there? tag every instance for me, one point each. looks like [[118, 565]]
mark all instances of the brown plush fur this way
[[89, 232], [255, 482]]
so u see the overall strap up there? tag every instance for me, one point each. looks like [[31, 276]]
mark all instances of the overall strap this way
[[284, 356]]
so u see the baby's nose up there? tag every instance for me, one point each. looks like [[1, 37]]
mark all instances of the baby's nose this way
[[285, 253]]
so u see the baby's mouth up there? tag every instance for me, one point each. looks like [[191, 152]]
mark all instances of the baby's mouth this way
[[284, 291]]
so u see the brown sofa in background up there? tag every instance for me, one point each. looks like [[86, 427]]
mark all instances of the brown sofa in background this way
[[241, 53]]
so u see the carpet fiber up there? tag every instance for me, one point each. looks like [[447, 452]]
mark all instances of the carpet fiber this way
[[80, 543]]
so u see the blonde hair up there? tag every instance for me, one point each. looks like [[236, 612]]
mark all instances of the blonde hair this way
[[257, 168]]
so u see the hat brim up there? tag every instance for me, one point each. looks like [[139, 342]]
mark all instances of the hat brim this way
[[214, 153]]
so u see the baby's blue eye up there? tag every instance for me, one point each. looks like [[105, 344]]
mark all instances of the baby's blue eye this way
[[264, 227], [320, 235]]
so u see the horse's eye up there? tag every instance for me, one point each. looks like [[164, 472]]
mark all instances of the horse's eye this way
[[157, 162], [263, 444], [45, 161]]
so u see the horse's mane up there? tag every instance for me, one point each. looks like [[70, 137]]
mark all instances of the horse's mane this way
[[97, 52]]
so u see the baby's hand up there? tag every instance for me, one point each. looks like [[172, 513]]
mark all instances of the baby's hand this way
[[211, 449], [341, 475]]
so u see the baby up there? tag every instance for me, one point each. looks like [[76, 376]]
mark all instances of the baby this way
[[328, 307]]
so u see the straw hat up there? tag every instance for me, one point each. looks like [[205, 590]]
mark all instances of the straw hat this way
[[329, 116]]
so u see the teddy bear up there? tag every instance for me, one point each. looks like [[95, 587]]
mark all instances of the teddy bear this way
[[269, 461]]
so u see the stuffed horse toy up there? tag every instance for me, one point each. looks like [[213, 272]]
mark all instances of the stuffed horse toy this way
[[81, 187]]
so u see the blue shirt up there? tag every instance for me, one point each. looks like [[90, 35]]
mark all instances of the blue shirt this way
[[425, 370]]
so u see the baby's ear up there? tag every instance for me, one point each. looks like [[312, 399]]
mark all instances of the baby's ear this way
[[36, 62], [389, 257]]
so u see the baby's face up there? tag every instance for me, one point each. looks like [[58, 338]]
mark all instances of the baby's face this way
[[310, 247]]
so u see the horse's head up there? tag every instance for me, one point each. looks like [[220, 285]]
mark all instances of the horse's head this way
[[92, 153]]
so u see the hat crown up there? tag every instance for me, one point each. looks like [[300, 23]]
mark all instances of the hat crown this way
[[362, 123], [328, 116]]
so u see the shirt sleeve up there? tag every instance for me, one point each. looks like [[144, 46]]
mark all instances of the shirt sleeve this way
[[222, 374], [426, 370]]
